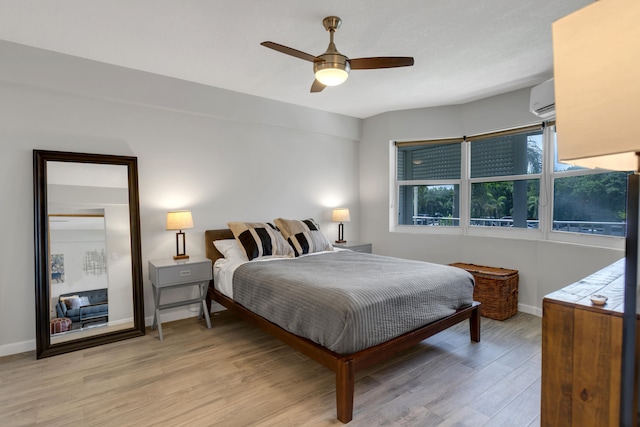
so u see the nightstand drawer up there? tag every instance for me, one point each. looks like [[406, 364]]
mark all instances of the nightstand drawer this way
[[169, 275]]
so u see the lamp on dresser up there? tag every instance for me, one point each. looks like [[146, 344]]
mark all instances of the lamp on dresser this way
[[597, 87], [180, 220], [341, 215]]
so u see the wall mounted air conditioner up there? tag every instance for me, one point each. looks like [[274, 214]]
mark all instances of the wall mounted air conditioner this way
[[542, 102]]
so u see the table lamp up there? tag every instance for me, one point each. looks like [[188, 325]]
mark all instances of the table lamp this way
[[340, 215], [180, 220], [596, 53]]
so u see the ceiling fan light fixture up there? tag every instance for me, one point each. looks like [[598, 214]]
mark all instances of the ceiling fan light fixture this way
[[331, 76], [333, 70]]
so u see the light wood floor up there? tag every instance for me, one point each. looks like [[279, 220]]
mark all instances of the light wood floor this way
[[236, 375]]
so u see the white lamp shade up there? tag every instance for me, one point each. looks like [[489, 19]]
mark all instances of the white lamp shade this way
[[596, 54], [341, 215], [179, 220]]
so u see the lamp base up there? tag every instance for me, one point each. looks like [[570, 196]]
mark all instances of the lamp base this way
[[176, 257], [341, 234]]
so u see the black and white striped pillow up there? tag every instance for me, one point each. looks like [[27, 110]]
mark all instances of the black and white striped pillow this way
[[260, 239], [304, 236]]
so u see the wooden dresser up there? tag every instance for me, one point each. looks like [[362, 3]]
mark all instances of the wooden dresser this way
[[581, 352]]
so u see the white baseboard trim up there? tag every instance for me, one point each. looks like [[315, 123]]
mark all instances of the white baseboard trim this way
[[530, 309], [121, 322], [17, 347]]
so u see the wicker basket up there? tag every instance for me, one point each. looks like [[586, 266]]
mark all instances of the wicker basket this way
[[60, 324], [496, 288]]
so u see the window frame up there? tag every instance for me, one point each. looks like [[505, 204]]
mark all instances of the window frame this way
[[568, 236], [396, 184], [507, 232]]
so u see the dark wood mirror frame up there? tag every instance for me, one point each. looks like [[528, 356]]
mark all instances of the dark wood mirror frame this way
[[44, 348]]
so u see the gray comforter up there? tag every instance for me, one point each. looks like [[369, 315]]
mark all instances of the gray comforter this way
[[348, 301]]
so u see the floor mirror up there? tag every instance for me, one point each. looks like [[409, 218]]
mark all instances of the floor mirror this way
[[87, 251]]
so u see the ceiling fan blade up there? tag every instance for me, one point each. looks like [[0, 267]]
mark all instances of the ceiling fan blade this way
[[289, 51], [381, 62], [317, 86]]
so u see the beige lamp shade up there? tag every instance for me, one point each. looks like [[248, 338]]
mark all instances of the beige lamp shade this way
[[179, 220], [340, 215], [596, 53]]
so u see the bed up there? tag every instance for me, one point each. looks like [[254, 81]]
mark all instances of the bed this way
[[343, 357]]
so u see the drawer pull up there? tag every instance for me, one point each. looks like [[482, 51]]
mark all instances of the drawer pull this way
[[185, 273]]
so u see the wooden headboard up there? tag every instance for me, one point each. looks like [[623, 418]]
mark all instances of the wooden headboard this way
[[210, 236]]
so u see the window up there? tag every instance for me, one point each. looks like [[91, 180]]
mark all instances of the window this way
[[588, 201], [505, 203], [505, 180], [428, 176]]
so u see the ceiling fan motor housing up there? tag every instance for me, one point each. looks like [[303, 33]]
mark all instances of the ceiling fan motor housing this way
[[331, 63]]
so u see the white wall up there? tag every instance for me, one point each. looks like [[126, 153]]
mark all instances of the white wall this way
[[73, 244], [543, 266], [119, 262], [224, 155]]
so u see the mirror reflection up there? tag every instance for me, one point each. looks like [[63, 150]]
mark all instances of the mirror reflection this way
[[78, 273], [88, 245]]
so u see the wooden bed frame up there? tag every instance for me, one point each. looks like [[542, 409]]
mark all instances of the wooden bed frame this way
[[344, 366]]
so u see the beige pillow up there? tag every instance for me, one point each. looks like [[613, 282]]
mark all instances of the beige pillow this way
[[304, 236], [260, 239]]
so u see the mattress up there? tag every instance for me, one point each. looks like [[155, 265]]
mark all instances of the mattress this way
[[346, 301]]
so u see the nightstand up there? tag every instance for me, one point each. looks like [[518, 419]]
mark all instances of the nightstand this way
[[169, 273], [355, 246]]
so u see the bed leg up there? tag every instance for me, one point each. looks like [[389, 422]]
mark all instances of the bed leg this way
[[474, 324], [345, 378]]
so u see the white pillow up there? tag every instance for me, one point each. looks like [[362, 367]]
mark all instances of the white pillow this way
[[230, 249], [75, 302]]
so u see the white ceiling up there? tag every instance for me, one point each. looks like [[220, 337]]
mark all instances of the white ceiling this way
[[464, 49]]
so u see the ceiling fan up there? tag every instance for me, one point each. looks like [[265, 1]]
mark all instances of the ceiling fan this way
[[332, 68]]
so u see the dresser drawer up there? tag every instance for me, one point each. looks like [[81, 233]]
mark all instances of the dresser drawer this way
[[169, 275]]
